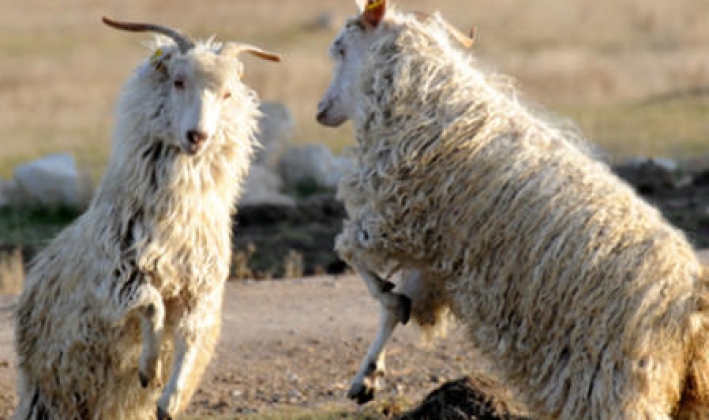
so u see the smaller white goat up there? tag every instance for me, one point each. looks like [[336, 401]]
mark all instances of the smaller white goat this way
[[122, 310]]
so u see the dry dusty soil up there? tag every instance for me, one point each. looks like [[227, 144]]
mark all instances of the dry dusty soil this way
[[297, 342], [294, 342]]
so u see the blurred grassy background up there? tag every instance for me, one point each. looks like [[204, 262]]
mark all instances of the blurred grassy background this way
[[632, 73]]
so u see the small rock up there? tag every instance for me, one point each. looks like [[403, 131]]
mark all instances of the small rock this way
[[294, 396], [262, 186], [220, 405], [649, 176], [313, 165], [52, 181], [275, 133]]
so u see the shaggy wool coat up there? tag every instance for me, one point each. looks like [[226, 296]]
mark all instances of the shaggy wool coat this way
[[591, 305], [159, 217]]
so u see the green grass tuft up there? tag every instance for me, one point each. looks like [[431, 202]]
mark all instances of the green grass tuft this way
[[33, 226]]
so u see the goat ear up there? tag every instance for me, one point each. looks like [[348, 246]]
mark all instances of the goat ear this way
[[159, 58], [373, 13], [234, 49], [361, 4]]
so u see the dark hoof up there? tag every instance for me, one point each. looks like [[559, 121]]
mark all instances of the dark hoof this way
[[371, 368], [388, 286], [404, 309], [144, 379], [162, 414], [361, 394]]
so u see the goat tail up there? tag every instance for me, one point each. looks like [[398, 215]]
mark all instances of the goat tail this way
[[694, 403]]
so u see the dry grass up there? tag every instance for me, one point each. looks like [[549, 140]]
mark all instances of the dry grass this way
[[61, 69], [11, 272]]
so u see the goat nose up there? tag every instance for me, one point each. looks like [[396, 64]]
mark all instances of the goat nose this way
[[196, 137], [322, 112]]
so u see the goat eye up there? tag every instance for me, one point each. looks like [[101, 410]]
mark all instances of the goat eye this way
[[179, 84], [226, 95], [341, 52]]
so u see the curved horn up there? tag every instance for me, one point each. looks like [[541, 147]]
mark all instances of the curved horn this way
[[466, 41], [234, 48], [184, 43]]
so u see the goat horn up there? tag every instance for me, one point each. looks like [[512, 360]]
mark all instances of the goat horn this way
[[466, 41], [184, 43], [234, 48]]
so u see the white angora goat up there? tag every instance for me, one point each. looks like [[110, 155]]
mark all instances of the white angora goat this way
[[588, 301], [121, 312]]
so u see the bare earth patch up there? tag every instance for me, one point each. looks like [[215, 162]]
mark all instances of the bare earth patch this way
[[297, 343]]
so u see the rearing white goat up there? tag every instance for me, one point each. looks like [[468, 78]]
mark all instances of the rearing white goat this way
[[122, 310], [588, 302]]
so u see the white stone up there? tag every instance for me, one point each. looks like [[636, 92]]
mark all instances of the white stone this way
[[313, 163], [668, 165], [275, 133], [52, 181], [263, 186]]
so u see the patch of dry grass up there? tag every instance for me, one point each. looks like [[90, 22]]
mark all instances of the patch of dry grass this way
[[666, 127], [12, 272], [62, 69]]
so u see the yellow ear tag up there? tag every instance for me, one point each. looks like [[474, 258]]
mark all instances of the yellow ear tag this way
[[155, 58], [374, 4]]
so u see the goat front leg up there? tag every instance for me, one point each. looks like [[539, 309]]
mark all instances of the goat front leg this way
[[195, 339], [137, 295], [372, 369], [152, 321], [368, 377], [382, 290]]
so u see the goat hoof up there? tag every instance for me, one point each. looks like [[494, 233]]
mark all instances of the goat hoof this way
[[144, 379], [371, 368], [403, 310], [162, 414], [360, 393], [387, 286]]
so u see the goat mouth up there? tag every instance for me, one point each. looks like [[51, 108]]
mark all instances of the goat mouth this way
[[193, 149], [326, 120]]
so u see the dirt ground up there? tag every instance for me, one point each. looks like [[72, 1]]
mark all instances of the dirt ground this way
[[297, 343]]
